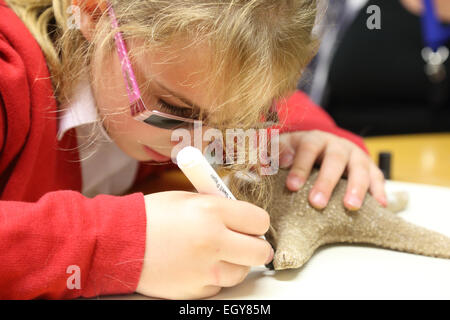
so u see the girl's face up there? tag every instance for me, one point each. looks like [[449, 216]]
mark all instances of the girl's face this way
[[176, 83], [174, 78]]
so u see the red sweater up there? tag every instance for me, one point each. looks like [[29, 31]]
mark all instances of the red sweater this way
[[46, 224]]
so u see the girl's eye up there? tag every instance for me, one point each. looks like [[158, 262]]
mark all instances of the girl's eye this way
[[177, 111]]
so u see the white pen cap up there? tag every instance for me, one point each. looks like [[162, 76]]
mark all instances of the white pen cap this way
[[200, 173]]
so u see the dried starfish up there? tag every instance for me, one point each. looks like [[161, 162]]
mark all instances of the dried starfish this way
[[297, 229]]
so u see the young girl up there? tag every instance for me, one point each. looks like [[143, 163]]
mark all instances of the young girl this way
[[66, 228]]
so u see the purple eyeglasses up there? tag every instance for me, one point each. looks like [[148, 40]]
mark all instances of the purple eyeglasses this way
[[138, 109]]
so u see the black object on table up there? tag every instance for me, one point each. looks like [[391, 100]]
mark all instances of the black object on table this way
[[384, 163]]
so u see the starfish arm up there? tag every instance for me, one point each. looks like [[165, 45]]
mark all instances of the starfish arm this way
[[297, 229]]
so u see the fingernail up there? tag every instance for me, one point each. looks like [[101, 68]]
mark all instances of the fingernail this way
[[354, 202], [319, 200], [286, 160], [270, 256], [295, 182]]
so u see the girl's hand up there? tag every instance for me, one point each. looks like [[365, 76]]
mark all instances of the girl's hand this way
[[196, 244], [300, 150]]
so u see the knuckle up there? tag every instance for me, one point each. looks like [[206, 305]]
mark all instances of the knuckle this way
[[366, 178], [361, 176], [359, 153], [207, 236], [237, 276], [337, 155], [206, 211], [375, 173], [379, 174], [298, 170], [359, 157], [228, 275], [344, 143], [310, 146], [205, 204], [317, 132], [325, 182]]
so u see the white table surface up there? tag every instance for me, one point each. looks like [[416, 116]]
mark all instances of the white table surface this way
[[344, 271]]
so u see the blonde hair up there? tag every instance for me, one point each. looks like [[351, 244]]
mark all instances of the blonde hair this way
[[259, 47]]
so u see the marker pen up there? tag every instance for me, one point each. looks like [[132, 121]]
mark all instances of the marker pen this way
[[198, 170], [202, 176]]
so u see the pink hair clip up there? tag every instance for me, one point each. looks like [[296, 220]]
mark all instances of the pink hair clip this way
[[138, 109]]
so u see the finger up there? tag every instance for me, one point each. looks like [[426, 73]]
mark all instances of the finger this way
[[240, 216], [245, 250], [358, 182], [287, 153], [287, 156], [246, 218], [334, 163], [208, 291], [307, 152], [377, 182], [225, 274]]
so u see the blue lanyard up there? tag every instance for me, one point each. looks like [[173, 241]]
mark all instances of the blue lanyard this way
[[434, 32]]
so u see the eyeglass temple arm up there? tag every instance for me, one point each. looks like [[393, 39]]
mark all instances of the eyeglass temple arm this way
[[134, 94]]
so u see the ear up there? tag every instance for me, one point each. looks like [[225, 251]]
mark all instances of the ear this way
[[90, 11]]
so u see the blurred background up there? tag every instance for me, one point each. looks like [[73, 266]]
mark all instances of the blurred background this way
[[382, 72]]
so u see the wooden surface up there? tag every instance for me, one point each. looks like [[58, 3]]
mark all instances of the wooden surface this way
[[421, 158]]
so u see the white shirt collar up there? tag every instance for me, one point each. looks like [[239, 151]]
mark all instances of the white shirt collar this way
[[81, 110]]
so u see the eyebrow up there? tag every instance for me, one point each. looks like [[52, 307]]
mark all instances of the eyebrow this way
[[181, 98]]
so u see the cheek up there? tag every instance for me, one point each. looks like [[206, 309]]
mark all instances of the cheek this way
[[120, 122], [122, 126]]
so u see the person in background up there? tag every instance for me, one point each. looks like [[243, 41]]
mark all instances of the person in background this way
[[386, 79]]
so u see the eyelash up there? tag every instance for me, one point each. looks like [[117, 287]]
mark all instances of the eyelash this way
[[177, 111]]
